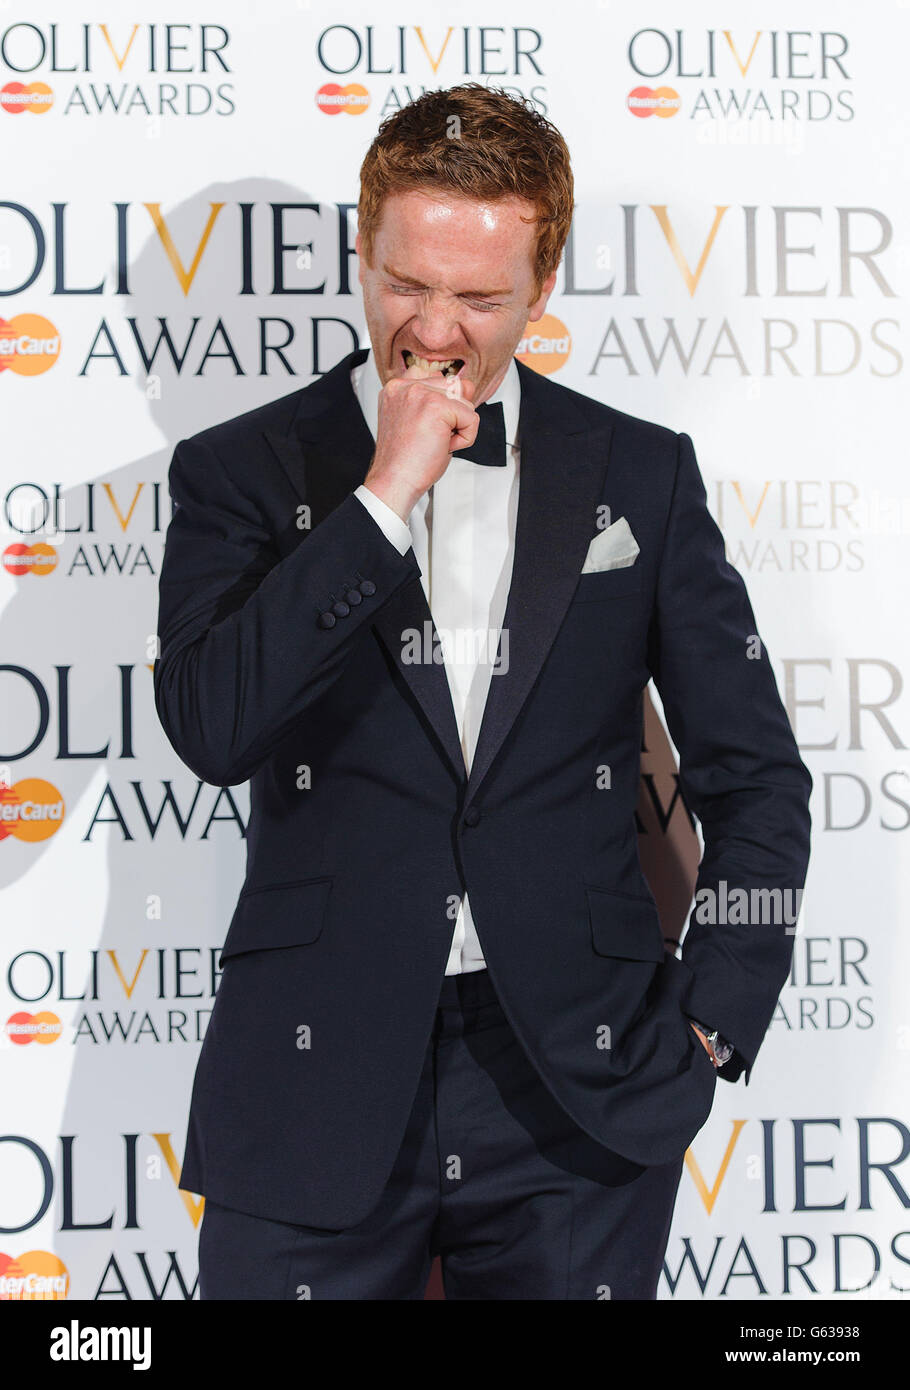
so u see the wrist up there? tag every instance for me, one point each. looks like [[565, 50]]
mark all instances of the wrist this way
[[717, 1047], [396, 493], [702, 1038]]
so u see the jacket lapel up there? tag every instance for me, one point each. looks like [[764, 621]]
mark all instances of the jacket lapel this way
[[326, 454], [327, 448], [563, 467]]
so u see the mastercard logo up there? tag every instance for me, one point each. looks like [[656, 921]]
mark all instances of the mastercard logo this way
[[546, 345], [23, 1028], [20, 559], [36, 1274], [29, 344], [657, 101], [16, 98], [331, 99], [30, 810]]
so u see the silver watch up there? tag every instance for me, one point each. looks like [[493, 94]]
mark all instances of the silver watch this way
[[721, 1051]]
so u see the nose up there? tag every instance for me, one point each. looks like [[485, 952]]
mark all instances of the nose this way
[[436, 326]]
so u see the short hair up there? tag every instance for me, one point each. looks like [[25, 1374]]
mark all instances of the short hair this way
[[498, 146]]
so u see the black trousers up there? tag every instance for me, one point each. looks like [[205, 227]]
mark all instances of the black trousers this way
[[492, 1175]]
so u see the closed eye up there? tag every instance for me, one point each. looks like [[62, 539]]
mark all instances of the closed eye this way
[[484, 306]]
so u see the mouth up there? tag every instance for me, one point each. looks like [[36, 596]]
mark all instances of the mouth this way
[[449, 366]]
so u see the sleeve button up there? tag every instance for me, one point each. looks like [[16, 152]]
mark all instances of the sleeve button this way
[[326, 620], [367, 588], [340, 609]]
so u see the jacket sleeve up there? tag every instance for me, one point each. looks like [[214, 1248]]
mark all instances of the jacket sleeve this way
[[740, 774], [241, 650]]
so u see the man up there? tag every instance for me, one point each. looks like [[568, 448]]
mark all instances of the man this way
[[417, 604]]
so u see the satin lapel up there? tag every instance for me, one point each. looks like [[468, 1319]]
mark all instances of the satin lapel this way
[[563, 467], [326, 454], [407, 612], [327, 450]]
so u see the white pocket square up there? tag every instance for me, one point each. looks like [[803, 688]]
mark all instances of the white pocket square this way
[[612, 549]]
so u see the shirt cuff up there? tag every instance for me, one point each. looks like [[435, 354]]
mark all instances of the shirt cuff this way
[[390, 523]]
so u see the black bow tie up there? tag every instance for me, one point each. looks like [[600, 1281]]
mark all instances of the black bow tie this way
[[490, 445]]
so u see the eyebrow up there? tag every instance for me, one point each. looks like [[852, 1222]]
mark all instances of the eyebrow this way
[[409, 280]]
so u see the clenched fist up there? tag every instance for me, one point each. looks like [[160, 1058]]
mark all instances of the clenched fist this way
[[424, 418]]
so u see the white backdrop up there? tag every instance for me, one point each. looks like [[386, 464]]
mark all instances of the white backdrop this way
[[737, 270]]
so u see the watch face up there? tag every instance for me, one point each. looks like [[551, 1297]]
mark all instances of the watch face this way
[[723, 1051]]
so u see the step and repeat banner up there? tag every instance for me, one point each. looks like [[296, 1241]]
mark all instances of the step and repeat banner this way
[[177, 220]]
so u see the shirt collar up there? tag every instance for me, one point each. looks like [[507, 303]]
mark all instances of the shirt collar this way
[[367, 385]]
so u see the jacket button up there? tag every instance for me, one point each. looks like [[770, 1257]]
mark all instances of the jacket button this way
[[326, 620], [367, 588], [353, 597], [472, 816], [340, 609]]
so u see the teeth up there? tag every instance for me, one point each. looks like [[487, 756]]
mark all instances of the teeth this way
[[448, 367]]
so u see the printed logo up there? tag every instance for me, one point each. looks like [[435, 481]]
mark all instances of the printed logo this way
[[657, 101], [15, 98], [332, 99], [29, 344], [20, 559], [36, 1274], [23, 1028], [31, 810], [545, 346]]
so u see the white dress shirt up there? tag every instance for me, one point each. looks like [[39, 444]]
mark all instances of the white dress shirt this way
[[463, 535]]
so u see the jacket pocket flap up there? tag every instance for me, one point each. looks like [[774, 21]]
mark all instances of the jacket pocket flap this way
[[277, 914], [615, 583], [624, 926]]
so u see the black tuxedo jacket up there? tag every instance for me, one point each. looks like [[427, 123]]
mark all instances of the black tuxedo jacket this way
[[364, 830]]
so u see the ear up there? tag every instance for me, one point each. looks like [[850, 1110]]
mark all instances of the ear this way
[[539, 307]]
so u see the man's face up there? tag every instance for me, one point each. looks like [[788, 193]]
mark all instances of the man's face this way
[[451, 278]]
